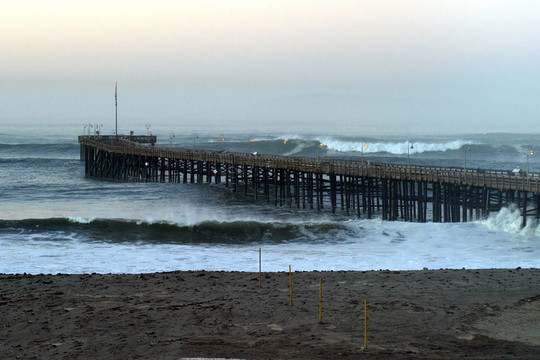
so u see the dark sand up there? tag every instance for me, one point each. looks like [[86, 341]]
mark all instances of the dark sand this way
[[448, 314]]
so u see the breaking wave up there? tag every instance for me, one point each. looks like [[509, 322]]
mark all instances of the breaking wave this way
[[509, 219], [398, 148], [125, 230]]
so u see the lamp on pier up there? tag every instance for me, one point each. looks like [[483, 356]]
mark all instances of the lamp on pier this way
[[467, 149], [221, 140], [321, 144], [529, 153], [97, 129], [171, 137], [282, 144], [409, 147], [364, 146]]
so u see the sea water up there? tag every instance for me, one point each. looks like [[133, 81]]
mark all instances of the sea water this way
[[55, 220]]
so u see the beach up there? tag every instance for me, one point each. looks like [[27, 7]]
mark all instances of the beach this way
[[445, 314]]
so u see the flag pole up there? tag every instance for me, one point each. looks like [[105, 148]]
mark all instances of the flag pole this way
[[116, 107]]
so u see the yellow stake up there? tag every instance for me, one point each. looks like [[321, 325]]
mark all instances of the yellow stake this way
[[260, 276], [365, 324], [290, 282], [320, 300]]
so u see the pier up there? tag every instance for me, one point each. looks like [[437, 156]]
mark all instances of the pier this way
[[356, 188]]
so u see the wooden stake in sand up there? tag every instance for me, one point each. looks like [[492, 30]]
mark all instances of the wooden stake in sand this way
[[365, 324], [260, 268], [290, 283], [320, 301]]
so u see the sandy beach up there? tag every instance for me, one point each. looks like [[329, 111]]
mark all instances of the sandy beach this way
[[444, 314]]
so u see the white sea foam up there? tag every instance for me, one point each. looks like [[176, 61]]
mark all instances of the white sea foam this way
[[81, 220], [296, 137], [509, 220], [192, 215], [370, 244], [398, 148]]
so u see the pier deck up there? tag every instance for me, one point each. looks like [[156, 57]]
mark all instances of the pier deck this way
[[363, 188]]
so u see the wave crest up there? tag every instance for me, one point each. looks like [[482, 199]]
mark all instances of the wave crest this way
[[399, 148], [148, 231], [509, 219]]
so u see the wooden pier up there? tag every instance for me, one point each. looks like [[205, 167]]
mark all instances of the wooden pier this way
[[357, 188]]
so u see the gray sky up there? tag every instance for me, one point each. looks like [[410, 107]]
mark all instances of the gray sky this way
[[416, 66]]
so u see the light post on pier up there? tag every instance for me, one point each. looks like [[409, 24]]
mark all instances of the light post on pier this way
[[409, 147], [529, 153], [364, 146], [321, 144], [148, 129], [249, 144], [171, 137], [222, 140], [467, 149], [116, 109], [283, 143], [195, 137], [97, 129]]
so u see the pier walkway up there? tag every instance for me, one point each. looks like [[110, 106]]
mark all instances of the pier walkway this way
[[361, 188]]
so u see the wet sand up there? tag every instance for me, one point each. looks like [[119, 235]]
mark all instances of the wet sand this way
[[445, 314]]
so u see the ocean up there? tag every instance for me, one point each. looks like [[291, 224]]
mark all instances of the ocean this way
[[55, 220]]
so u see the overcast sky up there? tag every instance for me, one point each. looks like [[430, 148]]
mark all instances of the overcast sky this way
[[343, 66]]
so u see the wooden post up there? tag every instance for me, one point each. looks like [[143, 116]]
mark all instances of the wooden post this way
[[318, 192], [365, 325], [290, 283], [245, 178], [260, 268], [524, 213], [303, 178], [266, 185], [341, 190], [537, 207], [320, 301], [369, 186], [333, 196], [275, 175]]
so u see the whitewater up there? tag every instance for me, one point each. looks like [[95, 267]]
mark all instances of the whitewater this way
[[54, 220]]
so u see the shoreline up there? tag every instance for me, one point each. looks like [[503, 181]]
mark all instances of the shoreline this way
[[445, 314]]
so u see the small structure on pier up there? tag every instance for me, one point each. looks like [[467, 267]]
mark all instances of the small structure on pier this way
[[410, 193]]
